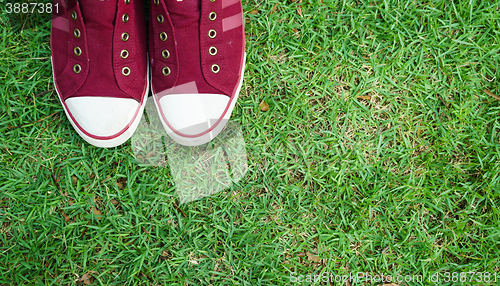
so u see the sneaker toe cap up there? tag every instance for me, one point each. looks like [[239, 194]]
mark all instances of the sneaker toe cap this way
[[102, 116], [193, 114]]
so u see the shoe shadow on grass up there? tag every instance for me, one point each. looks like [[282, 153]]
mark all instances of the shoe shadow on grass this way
[[198, 171]]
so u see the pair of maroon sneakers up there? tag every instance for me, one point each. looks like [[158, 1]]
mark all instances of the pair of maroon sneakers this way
[[102, 72]]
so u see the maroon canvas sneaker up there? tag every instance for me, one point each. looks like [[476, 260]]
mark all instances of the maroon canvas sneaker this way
[[100, 66], [197, 58]]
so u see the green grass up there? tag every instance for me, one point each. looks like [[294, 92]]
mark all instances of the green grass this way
[[380, 153]]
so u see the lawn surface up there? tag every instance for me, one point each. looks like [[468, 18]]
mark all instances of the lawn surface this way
[[380, 153]]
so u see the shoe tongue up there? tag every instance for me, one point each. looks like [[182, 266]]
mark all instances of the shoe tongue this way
[[99, 12], [184, 12]]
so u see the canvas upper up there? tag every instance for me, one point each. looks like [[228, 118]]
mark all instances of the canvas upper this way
[[197, 61], [100, 67]]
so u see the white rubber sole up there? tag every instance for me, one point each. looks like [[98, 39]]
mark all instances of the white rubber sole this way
[[113, 142], [207, 137]]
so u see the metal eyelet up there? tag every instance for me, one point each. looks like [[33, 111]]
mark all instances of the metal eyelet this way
[[163, 36], [212, 34], [215, 68], [127, 2], [160, 18], [124, 54], [125, 18], [212, 1], [78, 51], [125, 37], [156, 2], [77, 68], [126, 71], [165, 54], [212, 51], [77, 33], [212, 16], [166, 71], [73, 15]]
